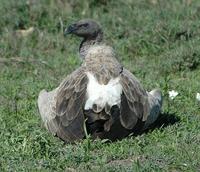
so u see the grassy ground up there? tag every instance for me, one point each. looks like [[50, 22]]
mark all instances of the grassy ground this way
[[157, 40]]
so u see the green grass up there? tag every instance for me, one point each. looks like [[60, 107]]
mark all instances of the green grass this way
[[157, 40]]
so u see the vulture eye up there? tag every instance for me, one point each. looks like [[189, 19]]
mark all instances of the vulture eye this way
[[84, 25]]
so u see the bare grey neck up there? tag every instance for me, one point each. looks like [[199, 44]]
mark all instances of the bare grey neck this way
[[88, 42]]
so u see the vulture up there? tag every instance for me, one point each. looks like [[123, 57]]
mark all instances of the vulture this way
[[101, 97]]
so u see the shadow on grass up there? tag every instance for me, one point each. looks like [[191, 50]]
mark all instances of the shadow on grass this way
[[118, 132], [164, 120]]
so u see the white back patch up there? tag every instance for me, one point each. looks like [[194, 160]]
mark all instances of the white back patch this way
[[102, 94]]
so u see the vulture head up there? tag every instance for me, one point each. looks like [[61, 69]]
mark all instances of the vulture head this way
[[86, 28]]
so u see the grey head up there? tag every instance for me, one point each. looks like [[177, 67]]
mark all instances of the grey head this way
[[87, 29]]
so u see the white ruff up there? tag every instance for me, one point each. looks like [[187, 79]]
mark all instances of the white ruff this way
[[102, 94]]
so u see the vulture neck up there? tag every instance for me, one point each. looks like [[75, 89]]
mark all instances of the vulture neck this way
[[88, 42]]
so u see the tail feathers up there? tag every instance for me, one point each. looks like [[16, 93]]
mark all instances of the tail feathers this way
[[157, 94], [155, 102]]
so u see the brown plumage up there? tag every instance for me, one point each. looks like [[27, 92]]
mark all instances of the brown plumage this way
[[67, 110]]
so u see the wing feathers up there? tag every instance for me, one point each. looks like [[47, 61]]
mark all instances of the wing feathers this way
[[128, 117], [69, 119], [134, 102]]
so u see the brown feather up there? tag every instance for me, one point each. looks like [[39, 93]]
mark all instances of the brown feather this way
[[69, 120], [134, 101]]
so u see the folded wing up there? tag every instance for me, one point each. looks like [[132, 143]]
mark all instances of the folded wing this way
[[134, 101]]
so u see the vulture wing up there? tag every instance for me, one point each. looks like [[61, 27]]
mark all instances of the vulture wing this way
[[134, 101], [66, 119]]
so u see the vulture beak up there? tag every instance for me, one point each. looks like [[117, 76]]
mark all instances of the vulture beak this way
[[70, 29]]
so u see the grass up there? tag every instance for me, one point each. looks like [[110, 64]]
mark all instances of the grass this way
[[157, 40]]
